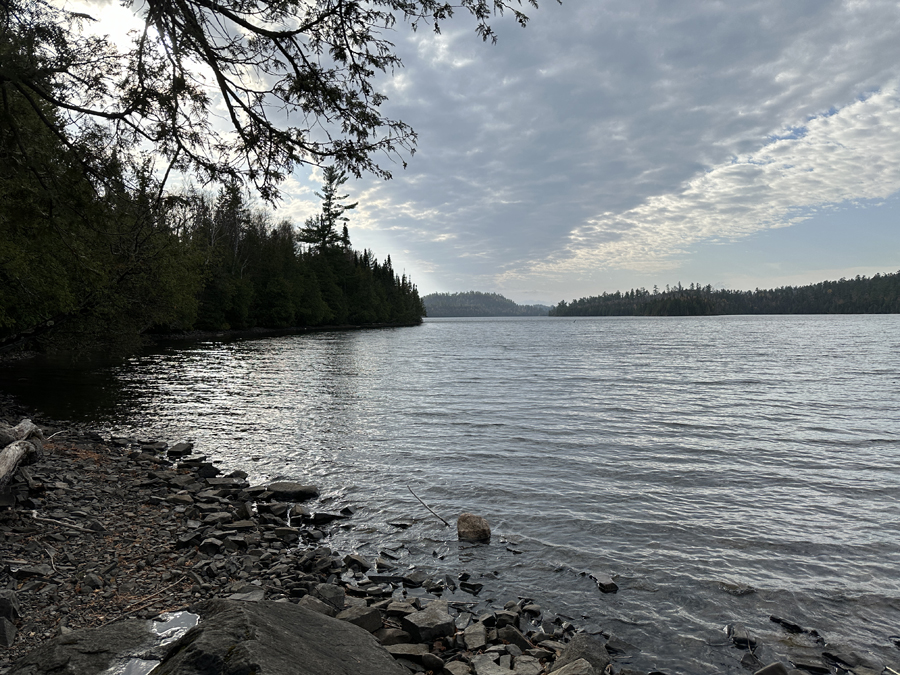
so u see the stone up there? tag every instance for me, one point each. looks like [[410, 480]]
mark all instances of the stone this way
[[87, 651], [211, 546], [470, 527], [364, 617], [484, 664], [292, 492], [577, 667], [249, 595], [432, 662], [331, 595], [773, 669], [431, 623], [316, 605], [457, 668], [514, 636], [7, 632], [9, 605], [392, 636], [272, 638], [740, 636], [605, 583], [583, 647], [527, 665], [475, 636], [409, 651]]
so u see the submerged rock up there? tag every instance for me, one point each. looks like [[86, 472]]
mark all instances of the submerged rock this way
[[470, 527]]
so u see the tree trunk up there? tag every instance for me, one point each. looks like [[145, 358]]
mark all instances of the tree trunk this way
[[20, 441], [10, 457]]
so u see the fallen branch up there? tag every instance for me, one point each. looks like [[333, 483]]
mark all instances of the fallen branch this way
[[36, 517], [427, 507], [144, 601]]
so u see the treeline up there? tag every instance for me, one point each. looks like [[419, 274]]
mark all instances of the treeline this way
[[88, 261], [474, 303], [879, 294]]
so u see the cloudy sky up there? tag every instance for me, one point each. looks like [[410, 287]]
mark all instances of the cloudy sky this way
[[622, 143]]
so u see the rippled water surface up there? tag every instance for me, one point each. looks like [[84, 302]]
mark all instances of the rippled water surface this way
[[721, 469]]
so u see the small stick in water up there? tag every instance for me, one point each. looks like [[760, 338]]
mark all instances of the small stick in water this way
[[427, 507]]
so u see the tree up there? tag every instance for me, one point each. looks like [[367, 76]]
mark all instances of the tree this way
[[295, 78], [321, 230]]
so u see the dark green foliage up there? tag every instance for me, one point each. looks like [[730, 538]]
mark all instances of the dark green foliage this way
[[474, 303], [879, 294]]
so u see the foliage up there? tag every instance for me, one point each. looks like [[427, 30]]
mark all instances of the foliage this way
[[879, 294], [474, 303]]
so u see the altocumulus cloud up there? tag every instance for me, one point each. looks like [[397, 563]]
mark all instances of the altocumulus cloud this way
[[612, 135]]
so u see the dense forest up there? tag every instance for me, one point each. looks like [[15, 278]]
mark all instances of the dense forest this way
[[879, 294], [473, 303]]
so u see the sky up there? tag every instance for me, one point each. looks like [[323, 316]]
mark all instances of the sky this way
[[614, 144]]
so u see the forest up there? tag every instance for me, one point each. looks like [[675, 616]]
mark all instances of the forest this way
[[879, 294], [474, 303]]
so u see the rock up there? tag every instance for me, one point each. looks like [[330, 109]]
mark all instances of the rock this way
[[271, 638], [364, 617], [475, 636], [484, 664], [411, 651], [514, 636], [292, 492], [249, 595], [527, 665], [470, 587], [432, 662], [583, 647], [773, 669], [470, 527], [316, 605], [431, 623], [392, 636], [605, 583], [211, 546], [331, 595], [578, 667], [740, 636], [87, 651], [9, 605], [456, 668], [7, 632]]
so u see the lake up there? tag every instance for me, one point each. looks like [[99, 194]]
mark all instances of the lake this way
[[721, 469]]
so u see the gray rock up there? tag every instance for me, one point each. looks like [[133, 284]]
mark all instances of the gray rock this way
[[740, 636], [605, 583], [527, 665], [9, 605], [583, 647], [432, 662], [773, 669], [392, 636], [431, 623], [331, 595], [578, 667], [406, 650], [484, 664], [470, 527], [7, 632], [367, 618], [514, 636], [86, 652], [316, 605], [457, 668], [271, 638], [292, 492], [475, 636]]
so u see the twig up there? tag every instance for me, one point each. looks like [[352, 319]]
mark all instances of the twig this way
[[60, 522], [62, 431], [144, 601], [427, 507]]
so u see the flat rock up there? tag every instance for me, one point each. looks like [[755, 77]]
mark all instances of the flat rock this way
[[431, 623], [367, 618], [316, 605], [485, 665], [577, 667], [84, 652], [272, 638], [292, 492], [475, 636]]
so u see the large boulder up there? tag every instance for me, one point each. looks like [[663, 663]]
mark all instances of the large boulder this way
[[431, 623], [272, 638], [470, 527]]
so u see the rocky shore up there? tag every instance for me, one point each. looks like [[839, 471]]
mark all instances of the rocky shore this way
[[101, 535]]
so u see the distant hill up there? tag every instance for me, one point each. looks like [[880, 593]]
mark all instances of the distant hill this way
[[473, 303]]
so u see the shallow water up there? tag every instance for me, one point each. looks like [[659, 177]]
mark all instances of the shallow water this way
[[720, 468]]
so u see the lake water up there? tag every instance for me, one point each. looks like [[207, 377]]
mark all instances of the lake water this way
[[721, 469]]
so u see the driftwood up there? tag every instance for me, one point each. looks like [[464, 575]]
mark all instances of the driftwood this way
[[19, 442], [427, 507]]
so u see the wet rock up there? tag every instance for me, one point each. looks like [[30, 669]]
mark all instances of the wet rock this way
[[740, 636], [470, 587], [789, 626], [605, 583], [431, 623], [750, 661], [271, 638], [584, 647], [470, 527], [292, 492], [86, 651]]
